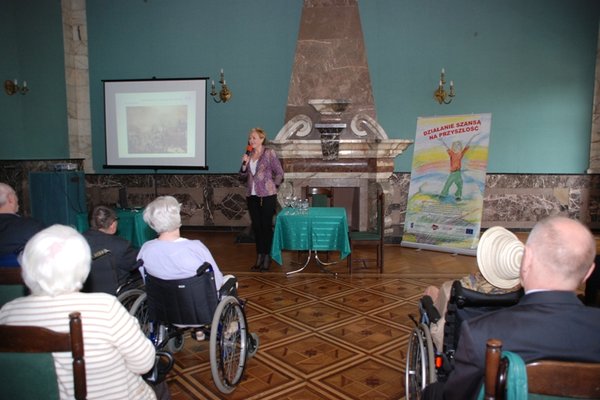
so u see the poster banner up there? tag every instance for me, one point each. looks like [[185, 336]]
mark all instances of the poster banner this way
[[445, 197]]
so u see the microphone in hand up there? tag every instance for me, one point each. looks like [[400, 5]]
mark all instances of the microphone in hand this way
[[248, 152]]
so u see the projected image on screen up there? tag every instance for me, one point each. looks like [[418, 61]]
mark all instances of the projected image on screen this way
[[152, 130], [155, 123]]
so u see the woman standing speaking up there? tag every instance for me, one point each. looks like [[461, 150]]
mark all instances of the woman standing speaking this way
[[262, 172]]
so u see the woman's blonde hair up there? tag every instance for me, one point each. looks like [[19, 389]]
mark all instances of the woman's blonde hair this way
[[261, 134]]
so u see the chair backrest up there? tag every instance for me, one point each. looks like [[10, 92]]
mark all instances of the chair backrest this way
[[559, 379], [380, 215], [11, 276], [11, 284], [319, 196], [34, 339], [465, 304], [190, 301]]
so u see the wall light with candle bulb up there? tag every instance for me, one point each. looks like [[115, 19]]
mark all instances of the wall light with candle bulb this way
[[12, 87], [440, 95], [224, 94]]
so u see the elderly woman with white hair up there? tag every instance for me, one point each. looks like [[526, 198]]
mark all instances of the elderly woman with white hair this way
[[55, 263], [171, 256]]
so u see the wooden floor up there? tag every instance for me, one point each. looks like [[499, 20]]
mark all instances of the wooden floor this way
[[321, 336]]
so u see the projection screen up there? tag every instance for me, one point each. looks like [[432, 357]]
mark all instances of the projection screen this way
[[155, 123]]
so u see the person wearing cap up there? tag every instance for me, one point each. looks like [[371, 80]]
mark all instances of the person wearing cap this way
[[499, 250], [440, 296], [558, 258]]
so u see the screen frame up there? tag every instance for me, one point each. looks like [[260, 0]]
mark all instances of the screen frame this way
[[193, 95]]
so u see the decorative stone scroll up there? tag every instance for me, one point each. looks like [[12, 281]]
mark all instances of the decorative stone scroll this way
[[300, 125], [363, 120]]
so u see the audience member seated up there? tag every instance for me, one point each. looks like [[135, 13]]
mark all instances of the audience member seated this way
[[55, 263], [441, 295], [592, 286], [499, 255], [114, 259], [171, 256], [15, 230], [549, 322]]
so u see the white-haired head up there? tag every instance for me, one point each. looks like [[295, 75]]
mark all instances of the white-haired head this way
[[56, 261], [162, 214], [9, 202]]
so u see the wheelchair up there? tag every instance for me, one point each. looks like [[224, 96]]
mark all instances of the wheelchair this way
[[426, 364], [168, 309]]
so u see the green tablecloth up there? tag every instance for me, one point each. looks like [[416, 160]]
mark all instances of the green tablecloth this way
[[321, 229], [133, 228]]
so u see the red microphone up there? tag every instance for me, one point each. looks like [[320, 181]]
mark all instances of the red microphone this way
[[248, 152]]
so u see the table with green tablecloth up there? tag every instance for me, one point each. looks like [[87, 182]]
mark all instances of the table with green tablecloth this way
[[315, 229], [133, 228]]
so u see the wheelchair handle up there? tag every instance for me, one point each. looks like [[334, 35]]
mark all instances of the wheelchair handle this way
[[432, 312], [163, 363], [203, 268]]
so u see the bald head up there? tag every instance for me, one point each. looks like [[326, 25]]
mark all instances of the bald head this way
[[9, 202], [559, 255]]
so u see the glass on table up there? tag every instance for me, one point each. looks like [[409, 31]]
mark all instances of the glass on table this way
[[304, 206]]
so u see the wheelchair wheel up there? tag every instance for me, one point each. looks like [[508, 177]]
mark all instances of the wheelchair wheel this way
[[175, 344], [228, 344], [139, 309], [431, 371], [420, 363], [253, 347], [129, 297]]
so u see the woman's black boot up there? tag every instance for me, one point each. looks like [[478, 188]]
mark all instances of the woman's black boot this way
[[259, 261], [266, 264]]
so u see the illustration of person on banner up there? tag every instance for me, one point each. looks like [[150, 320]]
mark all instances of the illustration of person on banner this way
[[447, 183], [456, 153]]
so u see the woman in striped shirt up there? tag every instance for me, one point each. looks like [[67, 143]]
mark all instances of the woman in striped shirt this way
[[55, 263]]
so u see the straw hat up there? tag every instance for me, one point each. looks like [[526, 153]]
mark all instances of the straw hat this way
[[499, 254]]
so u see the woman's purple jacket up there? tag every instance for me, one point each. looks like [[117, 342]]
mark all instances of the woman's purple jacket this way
[[269, 174]]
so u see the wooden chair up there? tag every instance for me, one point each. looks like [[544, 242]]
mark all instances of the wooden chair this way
[[375, 238], [561, 379], [34, 339], [11, 284], [319, 196], [11, 276]]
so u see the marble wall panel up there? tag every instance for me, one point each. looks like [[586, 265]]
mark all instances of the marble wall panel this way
[[515, 201], [16, 174]]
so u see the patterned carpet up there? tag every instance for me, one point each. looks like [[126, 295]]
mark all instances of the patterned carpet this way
[[321, 337]]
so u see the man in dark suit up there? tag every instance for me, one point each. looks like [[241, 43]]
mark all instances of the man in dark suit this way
[[15, 230], [549, 322], [592, 286], [113, 258]]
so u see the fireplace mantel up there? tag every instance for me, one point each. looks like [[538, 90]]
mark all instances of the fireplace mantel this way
[[365, 165]]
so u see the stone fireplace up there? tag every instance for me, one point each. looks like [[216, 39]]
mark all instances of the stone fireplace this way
[[331, 136], [360, 168]]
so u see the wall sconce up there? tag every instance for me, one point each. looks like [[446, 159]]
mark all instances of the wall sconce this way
[[12, 87], [440, 94], [224, 94]]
